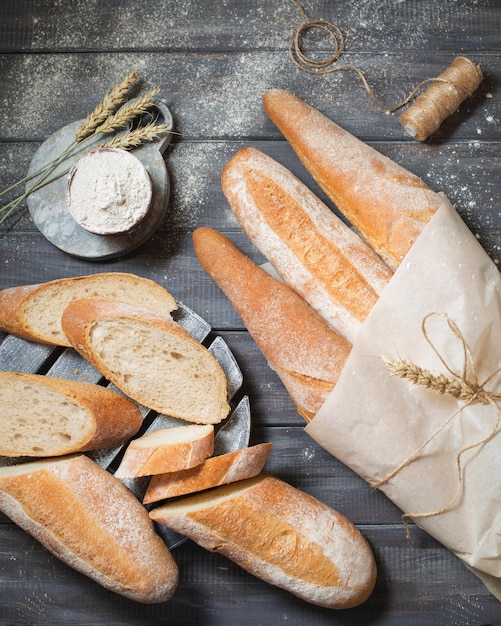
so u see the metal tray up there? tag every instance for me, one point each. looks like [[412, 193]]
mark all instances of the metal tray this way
[[232, 434]]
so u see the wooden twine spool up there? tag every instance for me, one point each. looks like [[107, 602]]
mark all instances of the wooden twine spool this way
[[457, 83]]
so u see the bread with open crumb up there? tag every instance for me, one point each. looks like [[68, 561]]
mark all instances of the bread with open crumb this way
[[167, 450], [43, 416], [34, 312], [149, 357]]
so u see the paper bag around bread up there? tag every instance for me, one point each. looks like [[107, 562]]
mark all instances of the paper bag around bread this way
[[437, 457]]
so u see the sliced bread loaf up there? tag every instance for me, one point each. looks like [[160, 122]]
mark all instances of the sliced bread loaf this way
[[167, 450], [149, 357], [92, 522], [216, 471], [47, 416], [34, 312], [281, 535]]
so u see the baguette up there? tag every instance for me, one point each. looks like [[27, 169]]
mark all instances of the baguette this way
[[149, 357], [92, 522], [300, 346], [47, 416], [167, 450], [34, 312], [388, 205], [313, 250], [281, 535], [216, 471]]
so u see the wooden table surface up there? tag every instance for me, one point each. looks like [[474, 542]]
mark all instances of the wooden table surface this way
[[213, 61]]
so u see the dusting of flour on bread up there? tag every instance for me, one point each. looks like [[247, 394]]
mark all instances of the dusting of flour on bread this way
[[109, 191]]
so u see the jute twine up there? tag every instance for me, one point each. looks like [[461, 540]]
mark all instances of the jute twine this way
[[457, 83], [464, 385]]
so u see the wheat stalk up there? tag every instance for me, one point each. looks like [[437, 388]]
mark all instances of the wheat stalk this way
[[442, 384], [102, 111], [459, 387], [106, 107]]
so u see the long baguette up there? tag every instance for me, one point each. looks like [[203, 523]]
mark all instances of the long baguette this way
[[388, 205], [300, 346], [312, 249], [92, 522], [34, 312], [48, 416], [149, 357], [281, 535]]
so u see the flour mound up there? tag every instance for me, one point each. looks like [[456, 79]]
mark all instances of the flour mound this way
[[109, 191]]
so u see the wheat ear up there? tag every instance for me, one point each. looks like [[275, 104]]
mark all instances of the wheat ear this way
[[127, 113], [107, 107], [138, 136], [440, 383]]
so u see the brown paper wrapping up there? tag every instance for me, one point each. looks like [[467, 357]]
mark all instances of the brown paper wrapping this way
[[373, 422]]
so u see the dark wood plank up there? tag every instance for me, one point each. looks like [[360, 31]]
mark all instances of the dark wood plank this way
[[465, 172], [42, 93], [214, 591], [165, 25]]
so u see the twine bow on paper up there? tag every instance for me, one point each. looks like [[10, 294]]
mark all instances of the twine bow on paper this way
[[464, 385]]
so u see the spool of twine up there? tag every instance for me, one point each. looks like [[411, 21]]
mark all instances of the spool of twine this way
[[459, 81], [446, 93]]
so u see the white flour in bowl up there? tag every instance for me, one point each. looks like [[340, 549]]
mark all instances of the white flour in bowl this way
[[109, 191]]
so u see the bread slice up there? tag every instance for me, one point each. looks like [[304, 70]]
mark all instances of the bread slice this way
[[300, 346], [311, 248], [34, 312], [92, 522], [281, 535], [387, 204], [42, 416], [167, 450], [216, 471], [149, 357]]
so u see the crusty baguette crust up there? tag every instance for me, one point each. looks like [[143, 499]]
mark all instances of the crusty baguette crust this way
[[112, 418], [82, 316], [22, 307], [388, 205], [92, 522], [311, 248], [11, 317], [309, 393], [290, 334], [168, 457], [216, 471], [281, 535]]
